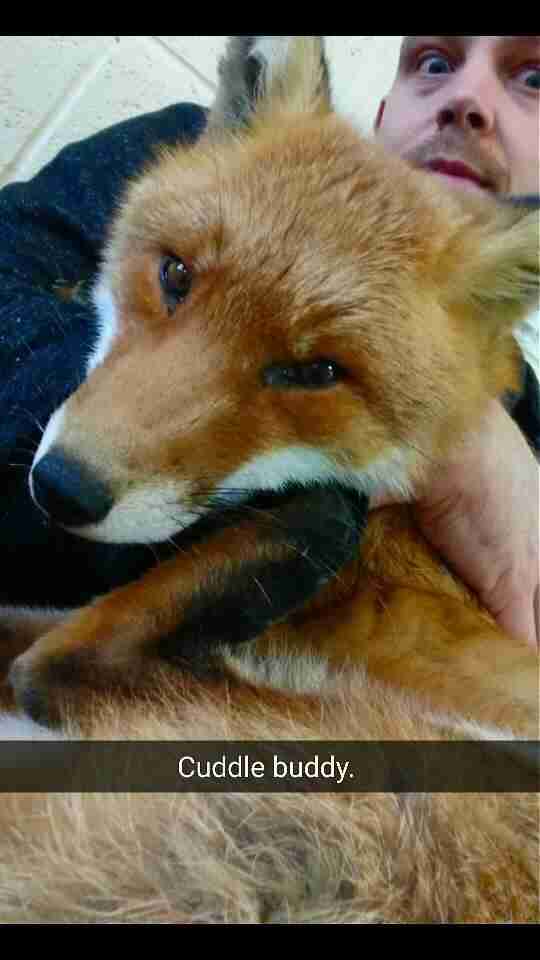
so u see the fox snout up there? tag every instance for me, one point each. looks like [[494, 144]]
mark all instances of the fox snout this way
[[69, 491]]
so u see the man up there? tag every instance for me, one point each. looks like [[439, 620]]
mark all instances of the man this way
[[468, 110], [51, 235]]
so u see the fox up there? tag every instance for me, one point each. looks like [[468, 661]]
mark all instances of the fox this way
[[292, 321]]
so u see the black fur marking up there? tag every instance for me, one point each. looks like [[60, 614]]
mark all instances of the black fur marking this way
[[242, 80], [243, 45], [326, 82], [35, 705], [525, 409], [252, 74], [323, 524], [239, 76], [31, 700], [240, 608], [277, 515]]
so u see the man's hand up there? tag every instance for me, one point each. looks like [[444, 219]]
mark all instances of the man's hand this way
[[480, 511]]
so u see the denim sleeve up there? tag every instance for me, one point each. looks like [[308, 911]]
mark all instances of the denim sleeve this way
[[52, 231]]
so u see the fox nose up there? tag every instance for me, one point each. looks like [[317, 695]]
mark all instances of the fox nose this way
[[68, 490]]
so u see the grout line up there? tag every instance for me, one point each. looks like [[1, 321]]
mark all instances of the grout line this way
[[50, 122], [178, 58]]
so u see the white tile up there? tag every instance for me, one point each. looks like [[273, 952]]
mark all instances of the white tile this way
[[201, 52], [362, 71], [36, 74], [137, 77]]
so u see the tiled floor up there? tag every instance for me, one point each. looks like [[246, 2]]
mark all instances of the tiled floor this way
[[54, 90]]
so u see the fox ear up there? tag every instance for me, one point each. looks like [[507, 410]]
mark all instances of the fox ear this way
[[500, 272], [258, 75]]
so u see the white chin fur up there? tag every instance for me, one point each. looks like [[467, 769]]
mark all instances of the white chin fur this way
[[306, 465], [151, 514], [154, 514]]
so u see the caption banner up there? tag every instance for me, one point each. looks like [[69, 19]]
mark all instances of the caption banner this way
[[269, 767]]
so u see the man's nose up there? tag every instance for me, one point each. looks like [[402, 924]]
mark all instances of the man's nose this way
[[467, 113], [472, 95]]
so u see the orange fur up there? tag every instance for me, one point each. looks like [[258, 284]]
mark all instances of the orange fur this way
[[305, 242]]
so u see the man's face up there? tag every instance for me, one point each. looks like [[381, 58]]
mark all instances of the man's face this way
[[468, 109]]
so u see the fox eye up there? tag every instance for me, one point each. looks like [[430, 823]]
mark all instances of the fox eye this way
[[176, 280], [318, 375]]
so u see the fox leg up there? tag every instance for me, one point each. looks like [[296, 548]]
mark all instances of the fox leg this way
[[19, 629], [437, 647], [458, 659], [228, 588]]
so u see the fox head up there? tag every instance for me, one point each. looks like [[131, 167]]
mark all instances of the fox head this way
[[282, 302]]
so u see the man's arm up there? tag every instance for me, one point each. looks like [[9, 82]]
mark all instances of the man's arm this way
[[481, 514]]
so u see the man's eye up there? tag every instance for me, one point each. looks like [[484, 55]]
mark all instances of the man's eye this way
[[433, 63], [319, 375], [176, 280], [531, 77]]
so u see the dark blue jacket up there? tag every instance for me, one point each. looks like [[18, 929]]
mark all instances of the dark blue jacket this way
[[51, 234]]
